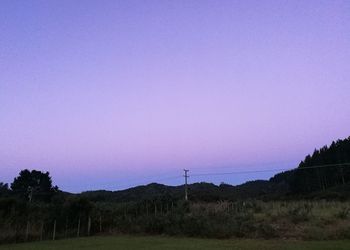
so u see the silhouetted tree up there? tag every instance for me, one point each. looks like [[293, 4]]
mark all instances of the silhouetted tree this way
[[34, 185], [325, 168], [4, 189]]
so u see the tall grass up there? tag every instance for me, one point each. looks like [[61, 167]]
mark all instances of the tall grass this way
[[244, 219]]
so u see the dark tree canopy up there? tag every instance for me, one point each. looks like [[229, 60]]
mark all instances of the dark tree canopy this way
[[334, 169], [34, 185], [4, 189], [325, 168]]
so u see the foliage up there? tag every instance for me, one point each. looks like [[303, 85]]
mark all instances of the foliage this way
[[4, 189], [34, 185], [325, 168], [256, 209]]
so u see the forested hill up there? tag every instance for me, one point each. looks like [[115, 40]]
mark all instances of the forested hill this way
[[324, 169], [324, 174], [202, 191]]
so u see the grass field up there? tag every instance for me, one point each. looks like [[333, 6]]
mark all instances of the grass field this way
[[161, 243]]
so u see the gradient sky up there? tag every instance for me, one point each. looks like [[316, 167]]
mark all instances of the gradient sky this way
[[111, 94]]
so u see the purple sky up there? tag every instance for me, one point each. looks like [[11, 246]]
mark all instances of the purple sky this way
[[111, 94]]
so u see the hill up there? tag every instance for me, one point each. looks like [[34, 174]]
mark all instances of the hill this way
[[325, 173]]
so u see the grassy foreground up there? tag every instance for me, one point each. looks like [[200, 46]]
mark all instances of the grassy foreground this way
[[161, 243]]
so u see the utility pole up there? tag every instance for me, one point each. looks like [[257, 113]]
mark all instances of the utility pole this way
[[186, 176]]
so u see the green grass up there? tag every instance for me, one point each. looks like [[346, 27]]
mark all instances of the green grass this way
[[163, 243]]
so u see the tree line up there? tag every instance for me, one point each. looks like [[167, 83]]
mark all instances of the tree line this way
[[31, 207], [324, 169]]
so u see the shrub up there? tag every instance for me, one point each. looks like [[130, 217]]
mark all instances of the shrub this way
[[267, 231], [343, 213], [300, 213]]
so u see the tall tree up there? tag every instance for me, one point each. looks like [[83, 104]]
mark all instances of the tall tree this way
[[4, 189], [34, 185], [325, 168]]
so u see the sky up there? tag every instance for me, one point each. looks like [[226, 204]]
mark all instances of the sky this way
[[112, 94]]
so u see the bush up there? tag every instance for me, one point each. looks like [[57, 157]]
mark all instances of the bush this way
[[343, 213], [300, 213], [267, 231]]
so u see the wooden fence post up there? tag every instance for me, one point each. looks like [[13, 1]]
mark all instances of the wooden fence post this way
[[78, 231], [89, 225], [66, 228], [54, 230], [27, 231], [100, 223], [41, 230]]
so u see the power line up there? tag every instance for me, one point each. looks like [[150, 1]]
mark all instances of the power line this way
[[272, 170], [240, 172], [244, 165], [128, 184], [237, 172]]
